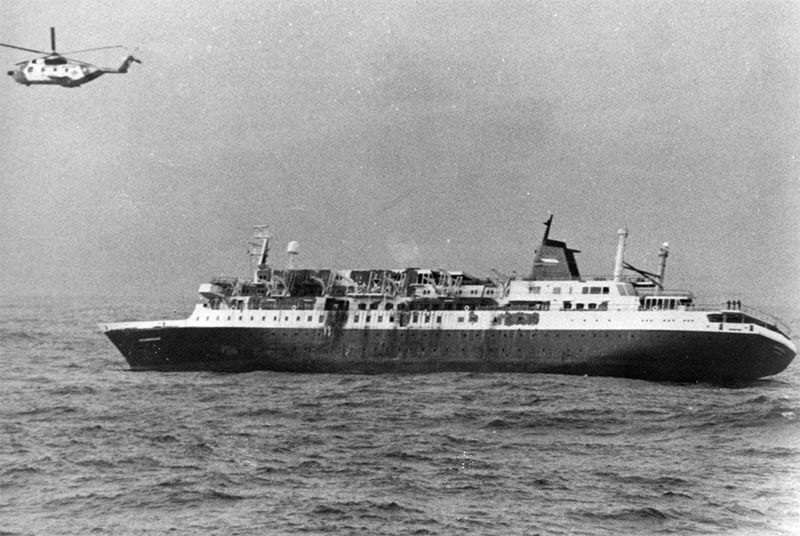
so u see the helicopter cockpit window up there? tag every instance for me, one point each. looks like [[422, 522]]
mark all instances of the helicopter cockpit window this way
[[58, 60]]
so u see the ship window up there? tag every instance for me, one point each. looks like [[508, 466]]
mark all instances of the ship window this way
[[355, 318], [415, 317], [321, 318], [594, 290], [373, 305], [556, 290], [460, 318], [362, 306], [592, 306], [567, 305], [380, 318], [389, 306], [439, 319], [585, 290], [579, 306], [310, 318], [391, 318], [535, 290], [368, 318], [606, 290]]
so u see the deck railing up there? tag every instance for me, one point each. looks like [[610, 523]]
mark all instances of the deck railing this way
[[762, 318]]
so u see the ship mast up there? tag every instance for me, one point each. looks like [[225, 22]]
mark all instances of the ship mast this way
[[262, 272]]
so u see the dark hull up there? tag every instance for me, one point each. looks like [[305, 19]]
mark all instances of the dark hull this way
[[682, 356]]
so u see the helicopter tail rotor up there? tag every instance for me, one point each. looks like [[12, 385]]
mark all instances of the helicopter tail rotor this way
[[125, 64]]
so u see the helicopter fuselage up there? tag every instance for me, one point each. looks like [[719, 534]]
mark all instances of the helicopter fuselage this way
[[54, 71]]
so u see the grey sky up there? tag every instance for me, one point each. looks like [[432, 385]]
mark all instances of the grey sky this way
[[382, 134]]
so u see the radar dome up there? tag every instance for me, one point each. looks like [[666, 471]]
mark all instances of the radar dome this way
[[293, 248]]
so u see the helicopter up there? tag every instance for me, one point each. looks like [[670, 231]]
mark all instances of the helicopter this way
[[55, 68]]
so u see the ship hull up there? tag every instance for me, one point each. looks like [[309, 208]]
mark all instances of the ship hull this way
[[658, 355]]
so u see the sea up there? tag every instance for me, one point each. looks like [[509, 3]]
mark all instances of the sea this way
[[88, 447]]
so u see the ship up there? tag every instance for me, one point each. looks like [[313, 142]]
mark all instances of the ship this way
[[415, 320]]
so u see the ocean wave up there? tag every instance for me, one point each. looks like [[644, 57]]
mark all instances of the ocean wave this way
[[69, 390], [186, 497], [258, 412], [647, 514], [445, 454], [363, 508]]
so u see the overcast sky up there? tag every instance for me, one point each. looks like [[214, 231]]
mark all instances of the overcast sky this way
[[388, 134]]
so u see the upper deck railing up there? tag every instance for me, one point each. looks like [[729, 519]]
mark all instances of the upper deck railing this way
[[745, 315]]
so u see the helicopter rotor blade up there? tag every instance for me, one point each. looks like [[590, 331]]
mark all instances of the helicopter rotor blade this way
[[53, 39], [25, 49], [90, 49]]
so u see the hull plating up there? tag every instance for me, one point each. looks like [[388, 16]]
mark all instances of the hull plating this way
[[719, 357]]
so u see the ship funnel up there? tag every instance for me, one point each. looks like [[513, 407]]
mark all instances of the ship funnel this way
[[663, 253], [623, 234], [293, 249]]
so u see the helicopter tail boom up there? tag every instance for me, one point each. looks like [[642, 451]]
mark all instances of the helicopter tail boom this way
[[125, 64]]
